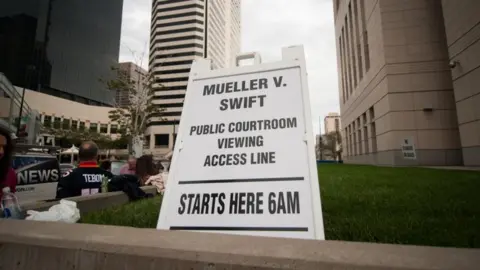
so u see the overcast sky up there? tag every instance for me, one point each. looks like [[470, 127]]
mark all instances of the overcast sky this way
[[266, 30]]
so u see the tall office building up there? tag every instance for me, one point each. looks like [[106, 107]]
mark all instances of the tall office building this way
[[332, 123], [409, 69], [133, 73], [182, 31], [61, 48]]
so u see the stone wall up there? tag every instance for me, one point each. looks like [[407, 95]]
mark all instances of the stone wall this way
[[30, 245], [90, 203]]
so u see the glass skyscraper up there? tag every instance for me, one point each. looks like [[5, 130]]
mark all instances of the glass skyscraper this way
[[61, 47]]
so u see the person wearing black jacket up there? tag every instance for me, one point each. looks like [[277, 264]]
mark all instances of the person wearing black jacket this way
[[87, 178]]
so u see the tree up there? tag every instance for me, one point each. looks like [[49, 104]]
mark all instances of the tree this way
[[333, 143], [133, 118], [319, 147]]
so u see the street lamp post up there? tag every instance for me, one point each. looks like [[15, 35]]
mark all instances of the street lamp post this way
[[19, 121]]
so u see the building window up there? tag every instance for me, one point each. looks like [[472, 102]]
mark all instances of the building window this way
[[337, 124], [348, 56], [365, 133], [354, 135], [366, 49], [104, 128], [365, 140], [66, 124], [57, 122], [162, 140], [93, 127], [350, 139], [371, 113], [146, 142], [74, 125], [342, 68], [345, 142], [82, 126], [113, 129], [360, 148], [352, 46], [357, 33], [345, 65], [373, 129], [47, 121]]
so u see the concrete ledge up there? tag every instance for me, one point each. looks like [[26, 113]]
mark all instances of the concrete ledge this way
[[90, 203], [29, 245]]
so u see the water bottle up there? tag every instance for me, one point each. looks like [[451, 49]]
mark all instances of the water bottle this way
[[105, 181], [9, 205]]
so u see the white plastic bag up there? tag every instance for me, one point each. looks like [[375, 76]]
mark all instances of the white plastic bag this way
[[66, 211]]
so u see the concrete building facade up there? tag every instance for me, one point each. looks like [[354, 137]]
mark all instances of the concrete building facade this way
[[182, 31], [395, 81], [54, 114], [332, 123], [133, 73], [462, 28]]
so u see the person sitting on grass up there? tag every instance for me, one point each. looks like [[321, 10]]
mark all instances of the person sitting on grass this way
[[129, 167], [87, 178], [150, 174], [8, 177], [106, 165]]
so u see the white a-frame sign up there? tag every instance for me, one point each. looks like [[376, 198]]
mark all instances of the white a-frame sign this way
[[244, 158]]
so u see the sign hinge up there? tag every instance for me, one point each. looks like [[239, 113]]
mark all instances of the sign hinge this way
[[180, 146], [305, 137]]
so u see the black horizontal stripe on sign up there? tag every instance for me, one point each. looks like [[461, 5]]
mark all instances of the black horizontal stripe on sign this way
[[217, 181], [222, 228]]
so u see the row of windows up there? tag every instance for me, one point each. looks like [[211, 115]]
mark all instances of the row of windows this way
[[360, 133], [350, 43], [70, 124], [220, 15], [171, 105], [164, 114], [182, 54], [164, 97], [183, 30], [173, 63], [219, 40], [163, 123], [190, 37], [184, 22], [173, 71], [169, 80], [181, 46], [160, 10], [171, 88], [157, 3], [179, 15], [215, 49]]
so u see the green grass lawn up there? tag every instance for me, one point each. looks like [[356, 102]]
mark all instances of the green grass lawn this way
[[412, 206]]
